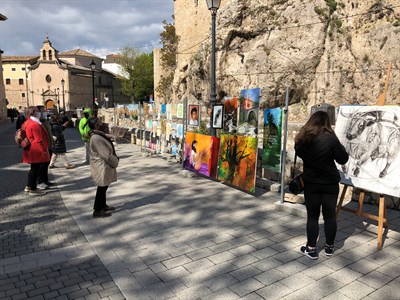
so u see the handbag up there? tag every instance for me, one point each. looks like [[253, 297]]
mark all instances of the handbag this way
[[296, 185]]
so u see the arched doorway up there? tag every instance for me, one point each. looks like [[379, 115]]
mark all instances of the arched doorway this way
[[49, 104]]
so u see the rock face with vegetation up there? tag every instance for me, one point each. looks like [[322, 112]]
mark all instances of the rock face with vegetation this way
[[332, 51]]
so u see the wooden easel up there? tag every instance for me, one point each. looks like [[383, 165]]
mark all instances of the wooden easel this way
[[381, 218]]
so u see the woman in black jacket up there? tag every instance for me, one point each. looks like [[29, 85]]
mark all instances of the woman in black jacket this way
[[318, 146], [59, 148]]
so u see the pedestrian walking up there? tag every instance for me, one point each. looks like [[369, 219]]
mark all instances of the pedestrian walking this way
[[37, 154], [318, 146], [103, 166], [84, 130], [59, 149], [20, 120]]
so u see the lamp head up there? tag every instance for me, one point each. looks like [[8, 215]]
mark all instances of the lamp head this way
[[93, 65], [62, 81], [213, 4]]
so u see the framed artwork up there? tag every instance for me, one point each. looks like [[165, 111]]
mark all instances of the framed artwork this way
[[179, 110], [371, 136], [231, 107], [218, 113], [248, 112], [193, 118], [272, 140]]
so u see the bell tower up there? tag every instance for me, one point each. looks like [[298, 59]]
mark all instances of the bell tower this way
[[47, 52]]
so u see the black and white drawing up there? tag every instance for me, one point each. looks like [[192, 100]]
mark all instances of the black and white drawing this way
[[218, 112], [371, 135]]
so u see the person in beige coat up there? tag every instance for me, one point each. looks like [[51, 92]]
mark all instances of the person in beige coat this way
[[103, 166]]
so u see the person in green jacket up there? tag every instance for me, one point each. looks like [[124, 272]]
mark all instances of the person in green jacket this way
[[84, 130]]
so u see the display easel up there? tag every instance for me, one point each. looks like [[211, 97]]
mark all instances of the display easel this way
[[381, 218]]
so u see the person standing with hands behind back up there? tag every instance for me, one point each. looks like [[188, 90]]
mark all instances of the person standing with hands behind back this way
[[84, 131], [103, 166], [318, 146]]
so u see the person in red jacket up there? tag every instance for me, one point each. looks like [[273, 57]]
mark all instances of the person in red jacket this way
[[37, 154]]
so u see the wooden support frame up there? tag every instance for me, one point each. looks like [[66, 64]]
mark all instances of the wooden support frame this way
[[381, 217]]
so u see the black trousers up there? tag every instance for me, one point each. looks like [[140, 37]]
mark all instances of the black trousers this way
[[37, 169], [43, 176], [100, 200], [317, 196]]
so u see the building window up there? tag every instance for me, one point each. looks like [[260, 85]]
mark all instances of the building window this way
[[13, 69], [8, 81], [48, 78], [50, 55], [23, 95], [21, 81], [23, 68], [44, 54]]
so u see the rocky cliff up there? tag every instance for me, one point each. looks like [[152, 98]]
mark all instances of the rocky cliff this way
[[332, 51]]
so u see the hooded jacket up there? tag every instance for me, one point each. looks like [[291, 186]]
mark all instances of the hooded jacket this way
[[319, 158], [84, 125]]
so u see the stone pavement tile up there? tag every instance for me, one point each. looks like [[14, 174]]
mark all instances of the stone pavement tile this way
[[155, 291], [176, 285], [270, 277], [375, 279], [264, 253], [220, 282], [221, 247], [267, 264], [197, 265], [173, 274], [252, 296], [262, 243], [158, 268], [315, 290], [245, 272], [241, 250], [194, 292], [337, 262], [175, 252], [356, 290], [221, 257], [176, 261], [346, 275], [222, 295], [245, 260], [274, 291], [317, 271], [291, 267], [364, 266], [382, 257], [146, 277], [199, 253], [243, 240], [246, 287], [288, 255], [391, 269], [337, 296], [390, 291], [297, 281]]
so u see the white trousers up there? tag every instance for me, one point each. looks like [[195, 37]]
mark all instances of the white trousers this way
[[62, 156]]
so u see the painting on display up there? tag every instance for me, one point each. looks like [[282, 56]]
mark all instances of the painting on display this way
[[201, 154], [179, 110], [218, 112], [174, 129], [237, 161], [193, 117], [371, 136], [272, 139], [248, 112], [179, 131], [231, 105]]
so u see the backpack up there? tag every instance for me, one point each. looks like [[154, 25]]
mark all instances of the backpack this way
[[21, 140]]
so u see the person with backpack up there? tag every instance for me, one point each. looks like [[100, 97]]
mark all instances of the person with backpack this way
[[37, 153], [59, 149], [84, 131]]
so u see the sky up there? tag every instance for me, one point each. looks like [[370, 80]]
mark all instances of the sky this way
[[100, 27]]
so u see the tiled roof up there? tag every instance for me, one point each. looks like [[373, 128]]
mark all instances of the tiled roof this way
[[6, 58], [77, 52]]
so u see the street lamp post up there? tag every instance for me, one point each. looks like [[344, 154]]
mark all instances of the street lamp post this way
[[213, 5], [58, 99], [62, 86], [93, 67]]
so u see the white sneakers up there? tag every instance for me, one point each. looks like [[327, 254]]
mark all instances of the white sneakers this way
[[36, 192]]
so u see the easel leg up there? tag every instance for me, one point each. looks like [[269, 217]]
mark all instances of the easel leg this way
[[380, 220], [339, 206]]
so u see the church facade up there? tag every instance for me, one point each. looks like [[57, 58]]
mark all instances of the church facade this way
[[59, 81]]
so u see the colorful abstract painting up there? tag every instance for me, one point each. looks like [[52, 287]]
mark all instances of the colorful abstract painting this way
[[371, 136], [231, 106], [237, 161], [179, 111], [248, 112], [201, 154], [179, 131], [272, 139]]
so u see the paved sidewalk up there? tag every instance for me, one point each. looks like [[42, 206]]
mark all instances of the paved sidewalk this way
[[175, 237]]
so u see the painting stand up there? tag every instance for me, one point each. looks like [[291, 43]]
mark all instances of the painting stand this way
[[381, 218]]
